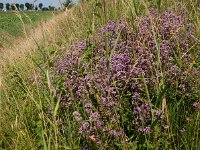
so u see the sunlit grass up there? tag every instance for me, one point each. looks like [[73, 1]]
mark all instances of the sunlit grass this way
[[11, 22], [34, 115]]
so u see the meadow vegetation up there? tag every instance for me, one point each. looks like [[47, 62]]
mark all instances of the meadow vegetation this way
[[16, 24], [13, 22], [120, 74]]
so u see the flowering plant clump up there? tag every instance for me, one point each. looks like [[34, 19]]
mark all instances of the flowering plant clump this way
[[113, 80]]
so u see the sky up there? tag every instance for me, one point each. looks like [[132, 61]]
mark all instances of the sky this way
[[45, 2]]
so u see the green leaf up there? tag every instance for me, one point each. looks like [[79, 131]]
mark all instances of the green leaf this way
[[56, 108], [99, 5]]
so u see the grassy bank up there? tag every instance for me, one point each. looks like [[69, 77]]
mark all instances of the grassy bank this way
[[117, 75], [13, 23], [16, 24]]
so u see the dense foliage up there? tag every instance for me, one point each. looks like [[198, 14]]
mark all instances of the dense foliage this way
[[132, 82], [117, 82]]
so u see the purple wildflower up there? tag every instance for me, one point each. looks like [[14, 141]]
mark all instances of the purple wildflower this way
[[109, 73]]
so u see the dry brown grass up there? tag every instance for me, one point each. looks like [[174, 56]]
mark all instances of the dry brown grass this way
[[45, 31], [5, 37], [62, 26], [30, 42]]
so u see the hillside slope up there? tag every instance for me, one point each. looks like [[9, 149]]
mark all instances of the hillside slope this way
[[22, 46], [117, 74]]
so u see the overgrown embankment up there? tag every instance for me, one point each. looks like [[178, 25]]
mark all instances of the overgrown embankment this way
[[31, 40], [113, 75], [18, 23], [13, 22]]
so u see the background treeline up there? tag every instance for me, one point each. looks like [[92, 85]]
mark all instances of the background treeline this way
[[30, 6]]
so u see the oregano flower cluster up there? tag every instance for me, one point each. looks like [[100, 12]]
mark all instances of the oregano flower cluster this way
[[114, 77]]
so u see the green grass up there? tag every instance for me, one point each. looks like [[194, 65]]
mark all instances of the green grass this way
[[28, 92], [13, 22]]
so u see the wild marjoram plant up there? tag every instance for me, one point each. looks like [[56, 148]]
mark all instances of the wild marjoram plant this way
[[131, 83], [118, 83]]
